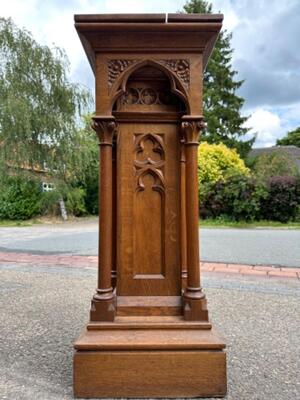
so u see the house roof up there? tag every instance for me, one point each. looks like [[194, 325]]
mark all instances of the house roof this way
[[293, 152]]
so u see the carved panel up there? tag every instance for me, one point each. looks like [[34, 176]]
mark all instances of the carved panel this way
[[148, 96], [149, 199], [181, 67], [148, 255], [115, 68], [149, 158]]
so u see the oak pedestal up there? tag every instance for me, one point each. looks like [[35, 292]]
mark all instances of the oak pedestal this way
[[149, 333]]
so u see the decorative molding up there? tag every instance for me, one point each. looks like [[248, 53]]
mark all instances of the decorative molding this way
[[115, 68], [181, 67], [149, 159], [106, 129], [148, 96], [191, 130]]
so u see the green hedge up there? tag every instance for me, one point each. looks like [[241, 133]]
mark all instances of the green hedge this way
[[283, 200], [19, 198], [245, 198]]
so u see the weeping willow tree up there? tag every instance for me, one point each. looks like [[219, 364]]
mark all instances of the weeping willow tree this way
[[39, 107]]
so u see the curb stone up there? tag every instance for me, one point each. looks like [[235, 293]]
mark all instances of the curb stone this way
[[266, 271]]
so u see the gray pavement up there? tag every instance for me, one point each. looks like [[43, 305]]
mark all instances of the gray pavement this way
[[242, 246], [43, 309]]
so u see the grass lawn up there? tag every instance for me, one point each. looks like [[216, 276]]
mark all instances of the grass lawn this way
[[206, 223], [45, 220], [221, 223], [9, 223]]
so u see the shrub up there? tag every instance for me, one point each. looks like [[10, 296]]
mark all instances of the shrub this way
[[50, 203], [239, 198], [275, 164], [91, 198], [20, 198], [283, 200], [75, 202], [216, 162]]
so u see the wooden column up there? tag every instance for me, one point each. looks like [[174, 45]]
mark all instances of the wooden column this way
[[183, 215], [103, 302], [114, 212], [194, 301]]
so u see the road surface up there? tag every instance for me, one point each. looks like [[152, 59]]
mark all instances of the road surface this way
[[279, 247]]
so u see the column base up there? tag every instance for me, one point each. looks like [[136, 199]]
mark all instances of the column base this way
[[155, 357], [103, 309], [194, 308]]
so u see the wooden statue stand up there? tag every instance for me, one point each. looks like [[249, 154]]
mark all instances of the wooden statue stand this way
[[149, 334]]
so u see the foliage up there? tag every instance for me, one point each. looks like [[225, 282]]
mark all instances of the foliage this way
[[87, 165], [39, 106], [222, 106], [243, 198], [225, 222], [75, 202], [20, 198], [216, 162], [50, 203], [283, 198], [292, 138], [238, 198], [274, 164]]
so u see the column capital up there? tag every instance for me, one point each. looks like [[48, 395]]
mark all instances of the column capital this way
[[105, 127], [191, 125]]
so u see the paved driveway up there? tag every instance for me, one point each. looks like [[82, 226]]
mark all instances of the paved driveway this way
[[242, 246], [43, 309]]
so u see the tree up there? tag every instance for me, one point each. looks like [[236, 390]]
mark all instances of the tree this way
[[40, 108], [222, 107], [87, 171], [292, 138], [274, 164]]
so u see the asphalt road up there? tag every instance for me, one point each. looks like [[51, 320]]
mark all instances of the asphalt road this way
[[43, 309], [242, 246]]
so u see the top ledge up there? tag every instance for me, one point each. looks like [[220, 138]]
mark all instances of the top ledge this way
[[195, 17], [120, 18], [150, 18]]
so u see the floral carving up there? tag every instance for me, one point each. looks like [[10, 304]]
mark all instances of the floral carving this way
[[181, 67], [115, 68], [131, 96], [106, 129], [148, 96], [191, 130]]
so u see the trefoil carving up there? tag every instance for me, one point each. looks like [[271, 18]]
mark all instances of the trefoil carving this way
[[149, 160]]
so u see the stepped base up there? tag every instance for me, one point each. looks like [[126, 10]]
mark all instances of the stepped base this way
[[156, 357]]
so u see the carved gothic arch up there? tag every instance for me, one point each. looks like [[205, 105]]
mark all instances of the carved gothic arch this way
[[176, 86]]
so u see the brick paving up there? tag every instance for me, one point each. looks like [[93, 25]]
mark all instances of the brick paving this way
[[265, 271]]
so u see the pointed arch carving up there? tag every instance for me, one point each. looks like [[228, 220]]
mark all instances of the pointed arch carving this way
[[179, 80], [149, 160], [158, 180]]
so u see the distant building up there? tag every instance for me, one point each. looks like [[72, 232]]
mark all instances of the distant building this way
[[292, 152]]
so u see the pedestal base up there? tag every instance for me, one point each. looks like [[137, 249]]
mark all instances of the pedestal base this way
[[160, 357]]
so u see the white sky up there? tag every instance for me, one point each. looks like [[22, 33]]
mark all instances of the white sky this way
[[271, 72]]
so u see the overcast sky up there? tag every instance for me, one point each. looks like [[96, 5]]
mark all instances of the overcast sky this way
[[266, 37]]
